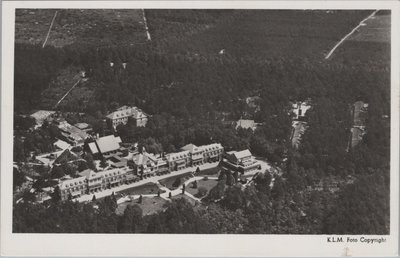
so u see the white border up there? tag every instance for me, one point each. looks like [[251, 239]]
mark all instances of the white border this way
[[147, 245]]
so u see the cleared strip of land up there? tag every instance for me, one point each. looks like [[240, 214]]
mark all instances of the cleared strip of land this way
[[51, 26], [145, 26], [67, 93]]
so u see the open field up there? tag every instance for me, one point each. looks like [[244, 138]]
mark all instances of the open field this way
[[175, 25], [369, 44], [94, 26], [376, 29], [149, 205], [273, 33], [149, 188]]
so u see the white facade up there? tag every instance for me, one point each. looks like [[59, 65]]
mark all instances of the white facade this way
[[122, 115]]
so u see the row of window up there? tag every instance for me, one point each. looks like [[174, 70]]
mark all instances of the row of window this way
[[73, 189], [94, 180], [112, 178], [212, 153], [248, 165], [121, 120], [80, 188], [207, 154]]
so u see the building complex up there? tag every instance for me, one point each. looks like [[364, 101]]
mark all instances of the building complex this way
[[143, 164]]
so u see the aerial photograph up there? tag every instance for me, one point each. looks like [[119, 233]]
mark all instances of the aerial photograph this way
[[202, 121]]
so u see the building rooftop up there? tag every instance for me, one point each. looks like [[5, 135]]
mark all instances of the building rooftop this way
[[93, 147], [177, 155], [72, 132], [88, 173], [246, 124], [144, 158], [126, 111], [242, 154], [82, 125], [191, 148], [105, 144], [41, 115], [300, 108], [48, 158], [66, 156], [211, 147], [111, 172], [61, 144]]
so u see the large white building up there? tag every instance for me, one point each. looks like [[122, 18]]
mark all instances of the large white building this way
[[212, 152], [91, 182], [240, 161], [73, 187], [122, 114], [193, 155], [145, 164], [178, 160], [196, 154]]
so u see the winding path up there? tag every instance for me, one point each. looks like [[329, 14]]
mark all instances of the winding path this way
[[165, 195]]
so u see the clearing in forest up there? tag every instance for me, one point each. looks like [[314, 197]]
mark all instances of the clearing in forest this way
[[100, 27]]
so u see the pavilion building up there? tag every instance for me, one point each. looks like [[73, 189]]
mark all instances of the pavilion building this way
[[240, 161]]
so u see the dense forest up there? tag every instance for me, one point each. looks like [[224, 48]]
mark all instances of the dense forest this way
[[194, 94]]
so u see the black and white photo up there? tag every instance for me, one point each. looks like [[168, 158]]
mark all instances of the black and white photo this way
[[156, 121]]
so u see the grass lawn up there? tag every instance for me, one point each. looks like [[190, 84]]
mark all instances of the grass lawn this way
[[149, 205], [209, 172], [179, 196], [149, 188], [208, 184], [167, 182]]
